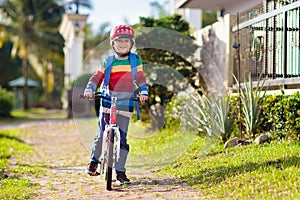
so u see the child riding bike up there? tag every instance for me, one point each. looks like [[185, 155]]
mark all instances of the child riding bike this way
[[117, 80]]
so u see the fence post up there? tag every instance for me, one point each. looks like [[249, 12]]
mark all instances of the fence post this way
[[285, 29]]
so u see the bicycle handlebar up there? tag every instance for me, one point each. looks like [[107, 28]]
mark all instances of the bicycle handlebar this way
[[98, 95]]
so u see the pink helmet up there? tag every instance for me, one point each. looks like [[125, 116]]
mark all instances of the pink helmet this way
[[121, 31]]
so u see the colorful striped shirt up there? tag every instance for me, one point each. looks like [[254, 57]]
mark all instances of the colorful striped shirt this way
[[121, 82]]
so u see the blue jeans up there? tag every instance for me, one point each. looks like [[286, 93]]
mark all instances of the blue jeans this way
[[122, 123]]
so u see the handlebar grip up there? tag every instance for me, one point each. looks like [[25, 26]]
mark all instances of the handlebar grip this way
[[135, 98], [98, 95]]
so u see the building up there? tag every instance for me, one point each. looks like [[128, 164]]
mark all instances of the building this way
[[17, 86], [259, 37]]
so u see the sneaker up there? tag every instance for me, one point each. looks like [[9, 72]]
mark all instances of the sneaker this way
[[92, 169], [122, 178]]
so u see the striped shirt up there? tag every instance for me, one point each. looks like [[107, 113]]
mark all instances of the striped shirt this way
[[121, 82]]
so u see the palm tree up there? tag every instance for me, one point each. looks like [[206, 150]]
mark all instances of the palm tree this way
[[77, 3], [29, 24], [160, 9]]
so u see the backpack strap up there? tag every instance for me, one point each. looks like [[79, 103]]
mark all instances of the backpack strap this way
[[107, 70], [108, 65], [132, 58]]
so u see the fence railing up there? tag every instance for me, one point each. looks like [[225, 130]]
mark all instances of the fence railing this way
[[269, 38]]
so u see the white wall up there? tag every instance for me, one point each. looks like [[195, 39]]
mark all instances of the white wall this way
[[193, 16]]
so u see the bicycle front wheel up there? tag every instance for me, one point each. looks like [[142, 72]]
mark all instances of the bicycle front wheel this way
[[109, 168]]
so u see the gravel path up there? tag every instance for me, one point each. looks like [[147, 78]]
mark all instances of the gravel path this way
[[58, 148]]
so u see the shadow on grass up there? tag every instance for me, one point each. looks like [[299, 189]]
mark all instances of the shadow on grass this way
[[9, 137], [34, 114], [18, 171], [13, 120], [219, 174]]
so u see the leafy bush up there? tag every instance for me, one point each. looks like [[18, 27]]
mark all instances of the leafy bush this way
[[281, 113], [6, 102], [277, 115], [173, 112], [292, 114], [236, 111]]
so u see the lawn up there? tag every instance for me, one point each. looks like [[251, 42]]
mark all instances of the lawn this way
[[269, 171], [13, 181], [33, 114]]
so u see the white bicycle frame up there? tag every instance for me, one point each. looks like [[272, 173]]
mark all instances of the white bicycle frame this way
[[109, 128], [117, 140]]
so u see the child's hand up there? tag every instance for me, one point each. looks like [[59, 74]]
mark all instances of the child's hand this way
[[143, 98], [88, 94]]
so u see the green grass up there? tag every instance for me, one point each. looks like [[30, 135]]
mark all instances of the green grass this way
[[39, 113], [15, 188], [144, 143], [270, 171], [33, 114], [152, 149], [13, 184]]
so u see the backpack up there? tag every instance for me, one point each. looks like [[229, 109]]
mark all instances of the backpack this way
[[109, 60]]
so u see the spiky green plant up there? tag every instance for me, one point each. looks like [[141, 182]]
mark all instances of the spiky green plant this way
[[252, 99], [211, 116]]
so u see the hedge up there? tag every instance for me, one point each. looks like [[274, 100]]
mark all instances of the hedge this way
[[6, 102]]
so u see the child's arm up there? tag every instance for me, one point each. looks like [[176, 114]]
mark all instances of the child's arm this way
[[94, 82], [141, 79], [141, 82]]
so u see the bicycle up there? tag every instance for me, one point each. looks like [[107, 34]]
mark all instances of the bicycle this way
[[111, 145]]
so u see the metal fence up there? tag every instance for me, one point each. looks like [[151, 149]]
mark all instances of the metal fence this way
[[268, 41]]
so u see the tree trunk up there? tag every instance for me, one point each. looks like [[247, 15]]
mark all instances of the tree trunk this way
[[46, 88], [25, 88]]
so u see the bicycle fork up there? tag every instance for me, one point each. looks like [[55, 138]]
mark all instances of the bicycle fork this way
[[105, 141]]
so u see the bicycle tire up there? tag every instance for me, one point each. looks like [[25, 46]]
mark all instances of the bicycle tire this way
[[110, 160]]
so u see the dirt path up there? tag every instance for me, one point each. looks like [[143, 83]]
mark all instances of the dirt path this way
[[60, 150]]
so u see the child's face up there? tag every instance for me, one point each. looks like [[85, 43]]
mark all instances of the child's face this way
[[122, 45]]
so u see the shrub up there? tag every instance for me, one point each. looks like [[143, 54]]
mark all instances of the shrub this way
[[6, 102], [292, 115], [277, 115], [281, 113], [173, 112]]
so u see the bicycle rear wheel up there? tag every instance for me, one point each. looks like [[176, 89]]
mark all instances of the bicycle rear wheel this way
[[110, 160]]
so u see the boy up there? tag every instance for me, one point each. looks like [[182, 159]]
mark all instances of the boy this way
[[120, 85]]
